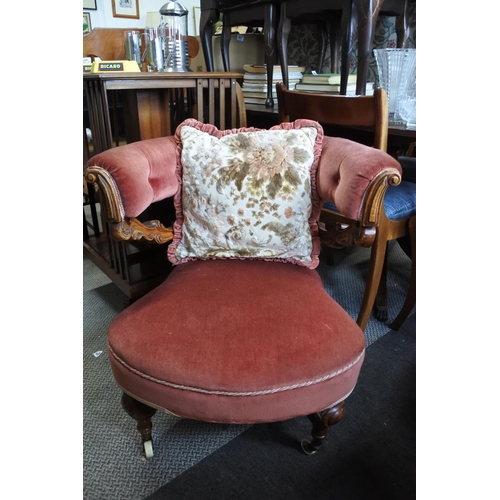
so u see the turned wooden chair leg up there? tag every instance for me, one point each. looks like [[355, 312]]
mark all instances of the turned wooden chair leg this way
[[321, 421], [411, 296], [224, 45], [322, 36], [377, 259], [380, 308], [86, 234], [93, 212], [328, 255], [142, 414], [207, 19], [270, 27], [284, 27]]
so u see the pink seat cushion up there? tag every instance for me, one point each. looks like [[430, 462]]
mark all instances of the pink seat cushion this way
[[213, 343]]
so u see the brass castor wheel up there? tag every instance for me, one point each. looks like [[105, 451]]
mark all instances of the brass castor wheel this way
[[307, 447]]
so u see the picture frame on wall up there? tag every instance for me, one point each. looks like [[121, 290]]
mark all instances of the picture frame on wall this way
[[87, 27], [90, 4], [128, 9], [196, 19]]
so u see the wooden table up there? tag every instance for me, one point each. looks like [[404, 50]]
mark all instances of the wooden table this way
[[153, 105], [151, 102]]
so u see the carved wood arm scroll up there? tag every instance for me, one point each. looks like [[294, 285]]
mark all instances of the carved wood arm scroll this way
[[361, 232], [338, 234], [373, 203], [124, 228]]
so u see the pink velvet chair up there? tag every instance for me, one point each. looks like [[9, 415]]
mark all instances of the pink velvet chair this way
[[242, 330]]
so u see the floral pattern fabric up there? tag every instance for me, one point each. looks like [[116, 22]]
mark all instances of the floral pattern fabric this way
[[246, 195]]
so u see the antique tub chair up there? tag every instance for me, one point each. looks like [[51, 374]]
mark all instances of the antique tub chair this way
[[242, 330]]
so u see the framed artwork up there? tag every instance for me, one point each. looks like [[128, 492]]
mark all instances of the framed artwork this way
[[126, 8], [90, 4], [87, 27]]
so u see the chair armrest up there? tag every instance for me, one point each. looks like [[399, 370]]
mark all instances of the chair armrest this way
[[355, 178], [129, 179]]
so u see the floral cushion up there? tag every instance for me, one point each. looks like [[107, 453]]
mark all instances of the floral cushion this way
[[247, 193]]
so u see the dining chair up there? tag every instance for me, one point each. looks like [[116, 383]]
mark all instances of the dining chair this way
[[320, 13], [257, 13], [367, 14], [411, 295], [386, 207], [242, 330], [343, 16], [408, 244], [254, 13]]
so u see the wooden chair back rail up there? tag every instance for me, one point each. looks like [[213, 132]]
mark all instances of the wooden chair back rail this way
[[360, 111], [363, 111], [106, 43]]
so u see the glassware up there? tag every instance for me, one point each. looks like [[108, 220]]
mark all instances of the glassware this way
[[155, 40], [176, 47], [408, 108], [397, 75], [133, 44]]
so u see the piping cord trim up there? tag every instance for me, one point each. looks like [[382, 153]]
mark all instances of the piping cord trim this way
[[236, 394]]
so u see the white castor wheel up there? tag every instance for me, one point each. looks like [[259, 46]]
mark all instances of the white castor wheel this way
[[148, 448]]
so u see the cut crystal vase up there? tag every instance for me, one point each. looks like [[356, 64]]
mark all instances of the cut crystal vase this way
[[397, 75]]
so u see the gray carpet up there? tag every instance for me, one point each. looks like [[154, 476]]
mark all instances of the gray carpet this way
[[112, 463]]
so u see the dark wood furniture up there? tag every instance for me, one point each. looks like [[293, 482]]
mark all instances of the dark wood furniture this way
[[257, 13], [367, 13], [153, 105], [318, 12], [342, 15], [251, 13], [278, 16], [371, 227]]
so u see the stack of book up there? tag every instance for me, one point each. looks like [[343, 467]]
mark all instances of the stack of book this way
[[329, 83], [255, 81]]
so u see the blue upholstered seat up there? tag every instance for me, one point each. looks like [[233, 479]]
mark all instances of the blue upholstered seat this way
[[399, 201]]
